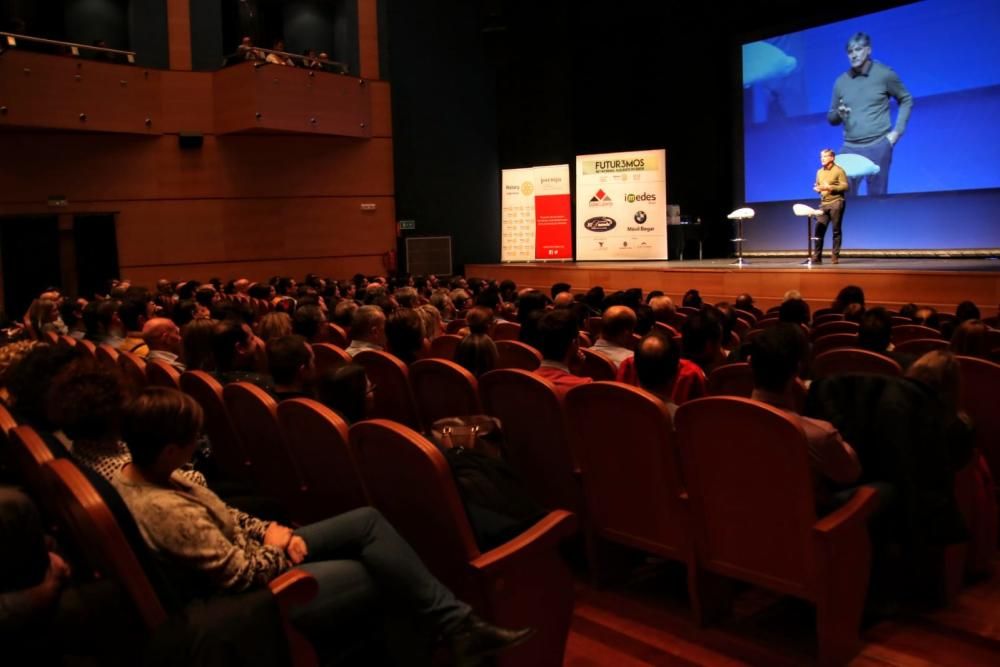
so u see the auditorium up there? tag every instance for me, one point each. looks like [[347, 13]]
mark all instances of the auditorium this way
[[496, 332]]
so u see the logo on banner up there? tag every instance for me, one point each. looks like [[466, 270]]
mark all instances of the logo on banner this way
[[640, 217], [632, 198], [527, 188], [647, 163], [600, 224], [600, 198]]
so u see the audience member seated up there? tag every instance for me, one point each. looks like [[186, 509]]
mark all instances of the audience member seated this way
[[854, 312], [44, 317], [477, 353], [794, 310], [278, 58], [343, 313], [431, 318], [233, 349], [875, 335], [617, 327], [357, 558], [657, 359], [663, 309], [702, 340], [247, 51], [744, 302], [404, 334], [848, 295], [692, 299], [102, 323], [779, 355], [163, 342], [28, 382], [971, 340], [291, 363], [137, 309], [367, 330], [310, 323], [927, 316], [71, 314], [347, 392], [274, 325], [559, 337]]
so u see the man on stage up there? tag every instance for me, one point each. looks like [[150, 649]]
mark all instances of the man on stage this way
[[861, 103], [831, 184]]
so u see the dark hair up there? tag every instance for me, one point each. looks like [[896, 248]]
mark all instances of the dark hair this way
[[698, 331], [477, 353], [343, 390], [848, 295], [285, 356], [853, 312], [530, 302], [479, 319], [404, 333], [657, 359], [86, 401], [489, 298], [745, 302], [205, 295], [308, 322], [29, 379], [970, 339], [557, 331], [225, 337], [795, 311], [908, 311], [965, 311], [157, 418], [558, 288], [184, 312], [875, 331], [776, 355], [196, 344], [692, 299], [130, 313]]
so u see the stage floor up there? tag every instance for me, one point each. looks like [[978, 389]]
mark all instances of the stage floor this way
[[941, 283]]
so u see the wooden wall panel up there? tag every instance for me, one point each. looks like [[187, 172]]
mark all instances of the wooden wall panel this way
[[186, 102], [179, 31], [114, 168], [368, 38], [49, 91], [381, 95]]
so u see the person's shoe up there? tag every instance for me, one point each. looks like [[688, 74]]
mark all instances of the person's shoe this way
[[475, 639], [817, 259], [835, 259]]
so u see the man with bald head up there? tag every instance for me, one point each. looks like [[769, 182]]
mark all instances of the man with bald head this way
[[367, 330], [563, 300], [616, 334], [163, 338]]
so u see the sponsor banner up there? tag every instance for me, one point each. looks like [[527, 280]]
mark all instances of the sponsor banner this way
[[536, 220], [621, 206]]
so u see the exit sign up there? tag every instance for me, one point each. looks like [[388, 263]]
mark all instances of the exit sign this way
[[405, 225]]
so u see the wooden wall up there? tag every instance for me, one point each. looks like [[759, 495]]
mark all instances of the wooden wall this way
[[250, 205]]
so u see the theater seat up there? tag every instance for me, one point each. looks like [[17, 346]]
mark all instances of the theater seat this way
[[515, 354], [329, 357], [521, 583], [442, 389], [731, 380], [393, 397], [227, 448], [443, 347], [161, 374], [752, 507], [852, 360]]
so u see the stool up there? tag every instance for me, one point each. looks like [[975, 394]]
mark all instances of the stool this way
[[739, 215], [808, 213]]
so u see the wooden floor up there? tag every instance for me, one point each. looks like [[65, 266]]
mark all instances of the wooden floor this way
[[941, 283], [648, 622]]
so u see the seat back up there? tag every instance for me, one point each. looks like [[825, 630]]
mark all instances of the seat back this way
[[317, 440], [832, 342], [594, 326], [747, 315], [50, 337], [67, 342], [442, 388], [7, 421], [444, 346], [625, 448], [905, 332], [134, 370], [918, 347], [29, 455], [821, 319], [410, 482], [835, 327], [980, 380], [596, 366], [746, 469], [86, 348], [336, 335], [506, 331], [853, 360], [515, 354], [329, 357], [254, 414], [455, 326], [393, 397], [227, 448], [98, 535], [107, 355], [731, 380], [536, 435], [161, 374]]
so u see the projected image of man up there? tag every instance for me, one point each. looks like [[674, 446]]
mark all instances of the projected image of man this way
[[831, 184], [860, 103]]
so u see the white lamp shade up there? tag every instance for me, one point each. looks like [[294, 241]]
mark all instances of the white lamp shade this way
[[741, 214], [805, 211]]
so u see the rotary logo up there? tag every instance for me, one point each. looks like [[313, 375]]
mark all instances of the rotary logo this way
[[527, 188]]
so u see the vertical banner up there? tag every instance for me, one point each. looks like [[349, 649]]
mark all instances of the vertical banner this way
[[621, 205], [535, 214]]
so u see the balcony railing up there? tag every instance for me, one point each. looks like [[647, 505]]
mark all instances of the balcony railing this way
[[13, 40]]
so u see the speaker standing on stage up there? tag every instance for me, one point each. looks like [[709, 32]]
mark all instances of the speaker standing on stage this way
[[831, 184]]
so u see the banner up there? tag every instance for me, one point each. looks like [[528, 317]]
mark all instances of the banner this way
[[535, 214], [621, 206]]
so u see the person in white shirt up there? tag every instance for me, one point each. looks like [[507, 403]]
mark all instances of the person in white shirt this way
[[367, 330], [616, 333]]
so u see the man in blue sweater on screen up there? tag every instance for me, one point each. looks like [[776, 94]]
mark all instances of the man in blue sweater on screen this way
[[861, 103]]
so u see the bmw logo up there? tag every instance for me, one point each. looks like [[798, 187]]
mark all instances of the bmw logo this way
[[640, 217]]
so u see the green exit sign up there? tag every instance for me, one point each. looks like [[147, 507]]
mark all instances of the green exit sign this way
[[405, 225]]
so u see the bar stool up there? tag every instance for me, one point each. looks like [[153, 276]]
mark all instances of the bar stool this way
[[739, 215], [809, 214]]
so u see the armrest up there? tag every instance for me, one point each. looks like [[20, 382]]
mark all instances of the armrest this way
[[543, 536], [293, 588], [854, 513]]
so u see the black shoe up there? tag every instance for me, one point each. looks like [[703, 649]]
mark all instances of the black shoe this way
[[836, 259], [475, 638]]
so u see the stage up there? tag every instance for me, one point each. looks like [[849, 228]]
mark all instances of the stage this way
[[941, 283]]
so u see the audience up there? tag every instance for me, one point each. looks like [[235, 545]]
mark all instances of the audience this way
[[559, 340], [615, 341], [291, 363], [163, 342], [367, 330], [477, 353], [657, 359]]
